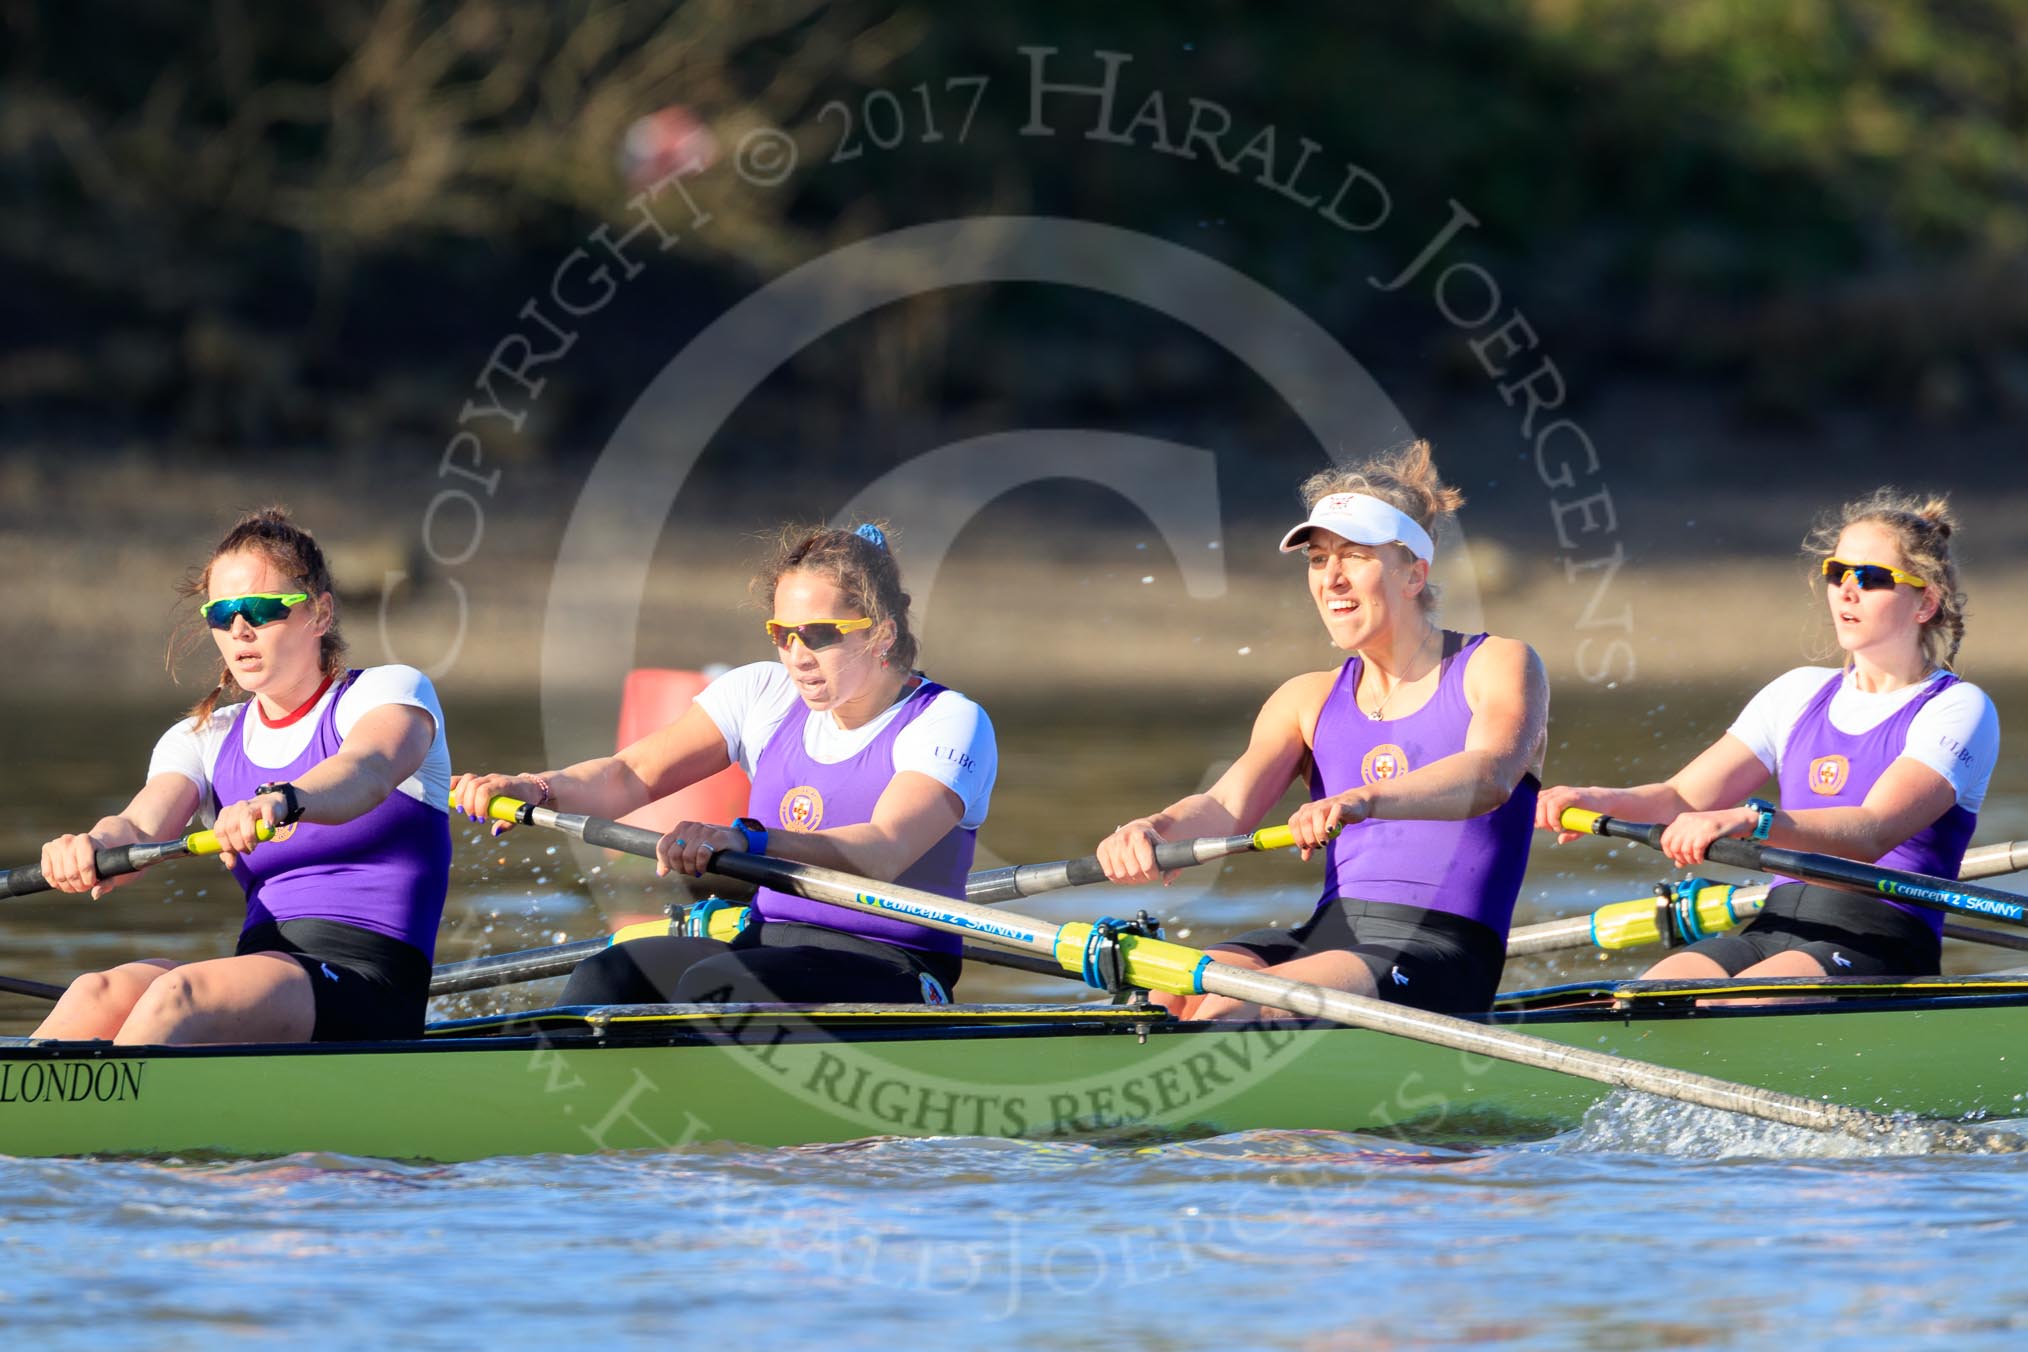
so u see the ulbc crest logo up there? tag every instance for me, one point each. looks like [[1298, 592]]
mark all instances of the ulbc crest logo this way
[[1386, 761], [1827, 774], [802, 808]]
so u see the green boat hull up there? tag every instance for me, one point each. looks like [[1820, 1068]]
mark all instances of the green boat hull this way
[[553, 1083]]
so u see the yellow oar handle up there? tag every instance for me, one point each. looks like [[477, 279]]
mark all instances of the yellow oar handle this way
[[500, 809], [1580, 819], [1283, 837], [206, 842]]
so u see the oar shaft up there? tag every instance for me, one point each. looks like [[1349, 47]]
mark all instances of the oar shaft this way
[[1716, 908], [1987, 861], [1483, 1040], [28, 879], [1711, 909], [1827, 870], [505, 969], [39, 990], [119, 859], [1027, 880], [1979, 934]]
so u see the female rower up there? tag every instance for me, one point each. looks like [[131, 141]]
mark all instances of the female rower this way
[[1883, 760], [350, 769], [858, 763], [1425, 746]]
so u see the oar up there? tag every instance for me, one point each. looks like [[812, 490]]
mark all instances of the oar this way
[[1713, 908], [537, 964], [1027, 880], [1156, 964], [39, 990], [111, 863], [1828, 870], [987, 885]]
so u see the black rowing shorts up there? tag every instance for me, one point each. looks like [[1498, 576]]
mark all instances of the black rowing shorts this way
[[367, 986], [1848, 935], [1430, 960], [770, 962]]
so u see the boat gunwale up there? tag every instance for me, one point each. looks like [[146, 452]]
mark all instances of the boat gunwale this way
[[689, 1026]]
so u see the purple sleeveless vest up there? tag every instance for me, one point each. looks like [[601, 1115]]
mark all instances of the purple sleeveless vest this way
[[1471, 868], [385, 871], [792, 791], [1823, 767]]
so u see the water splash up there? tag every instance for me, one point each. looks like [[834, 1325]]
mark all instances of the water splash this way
[[1625, 1122]]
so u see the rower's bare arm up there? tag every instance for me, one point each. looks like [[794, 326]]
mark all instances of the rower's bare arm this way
[[1274, 755], [1507, 690], [672, 757], [161, 810], [385, 747], [1722, 775], [1243, 794], [1907, 797]]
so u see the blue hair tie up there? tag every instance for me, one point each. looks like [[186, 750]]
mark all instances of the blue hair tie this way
[[873, 535]]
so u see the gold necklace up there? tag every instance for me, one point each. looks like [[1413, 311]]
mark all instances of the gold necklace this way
[[1379, 711]]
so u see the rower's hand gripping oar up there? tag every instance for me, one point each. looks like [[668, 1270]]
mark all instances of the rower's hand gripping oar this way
[[1846, 875], [118, 859], [1028, 880], [1156, 964]]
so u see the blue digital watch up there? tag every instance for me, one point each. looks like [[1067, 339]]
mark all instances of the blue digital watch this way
[[756, 834], [1766, 822]]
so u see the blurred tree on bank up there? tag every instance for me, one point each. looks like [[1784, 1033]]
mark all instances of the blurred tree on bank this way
[[236, 223]]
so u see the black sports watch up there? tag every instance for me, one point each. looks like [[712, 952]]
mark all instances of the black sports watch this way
[[292, 809]]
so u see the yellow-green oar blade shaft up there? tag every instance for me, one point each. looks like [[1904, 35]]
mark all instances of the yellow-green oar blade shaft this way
[[1713, 908]]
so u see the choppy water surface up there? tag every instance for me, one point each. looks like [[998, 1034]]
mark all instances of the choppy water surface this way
[[1651, 1225], [1258, 1240]]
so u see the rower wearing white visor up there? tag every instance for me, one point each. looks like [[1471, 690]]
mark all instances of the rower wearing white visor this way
[[1425, 746]]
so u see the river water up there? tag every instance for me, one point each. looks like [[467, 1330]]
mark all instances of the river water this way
[[1652, 1224]]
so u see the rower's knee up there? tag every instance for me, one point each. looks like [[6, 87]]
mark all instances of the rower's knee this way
[[169, 999], [1685, 966], [1789, 963], [90, 988]]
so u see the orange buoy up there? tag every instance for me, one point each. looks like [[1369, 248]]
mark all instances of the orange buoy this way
[[657, 696]]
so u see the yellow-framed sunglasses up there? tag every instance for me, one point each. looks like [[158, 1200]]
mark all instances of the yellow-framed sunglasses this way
[[1870, 576], [816, 635]]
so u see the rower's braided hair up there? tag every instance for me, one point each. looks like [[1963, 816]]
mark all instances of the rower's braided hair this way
[[859, 562], [273, 534], [1404, 478], [1922, 527]]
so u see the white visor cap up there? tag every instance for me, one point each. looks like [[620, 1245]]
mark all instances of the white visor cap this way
[[1364, 519]]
